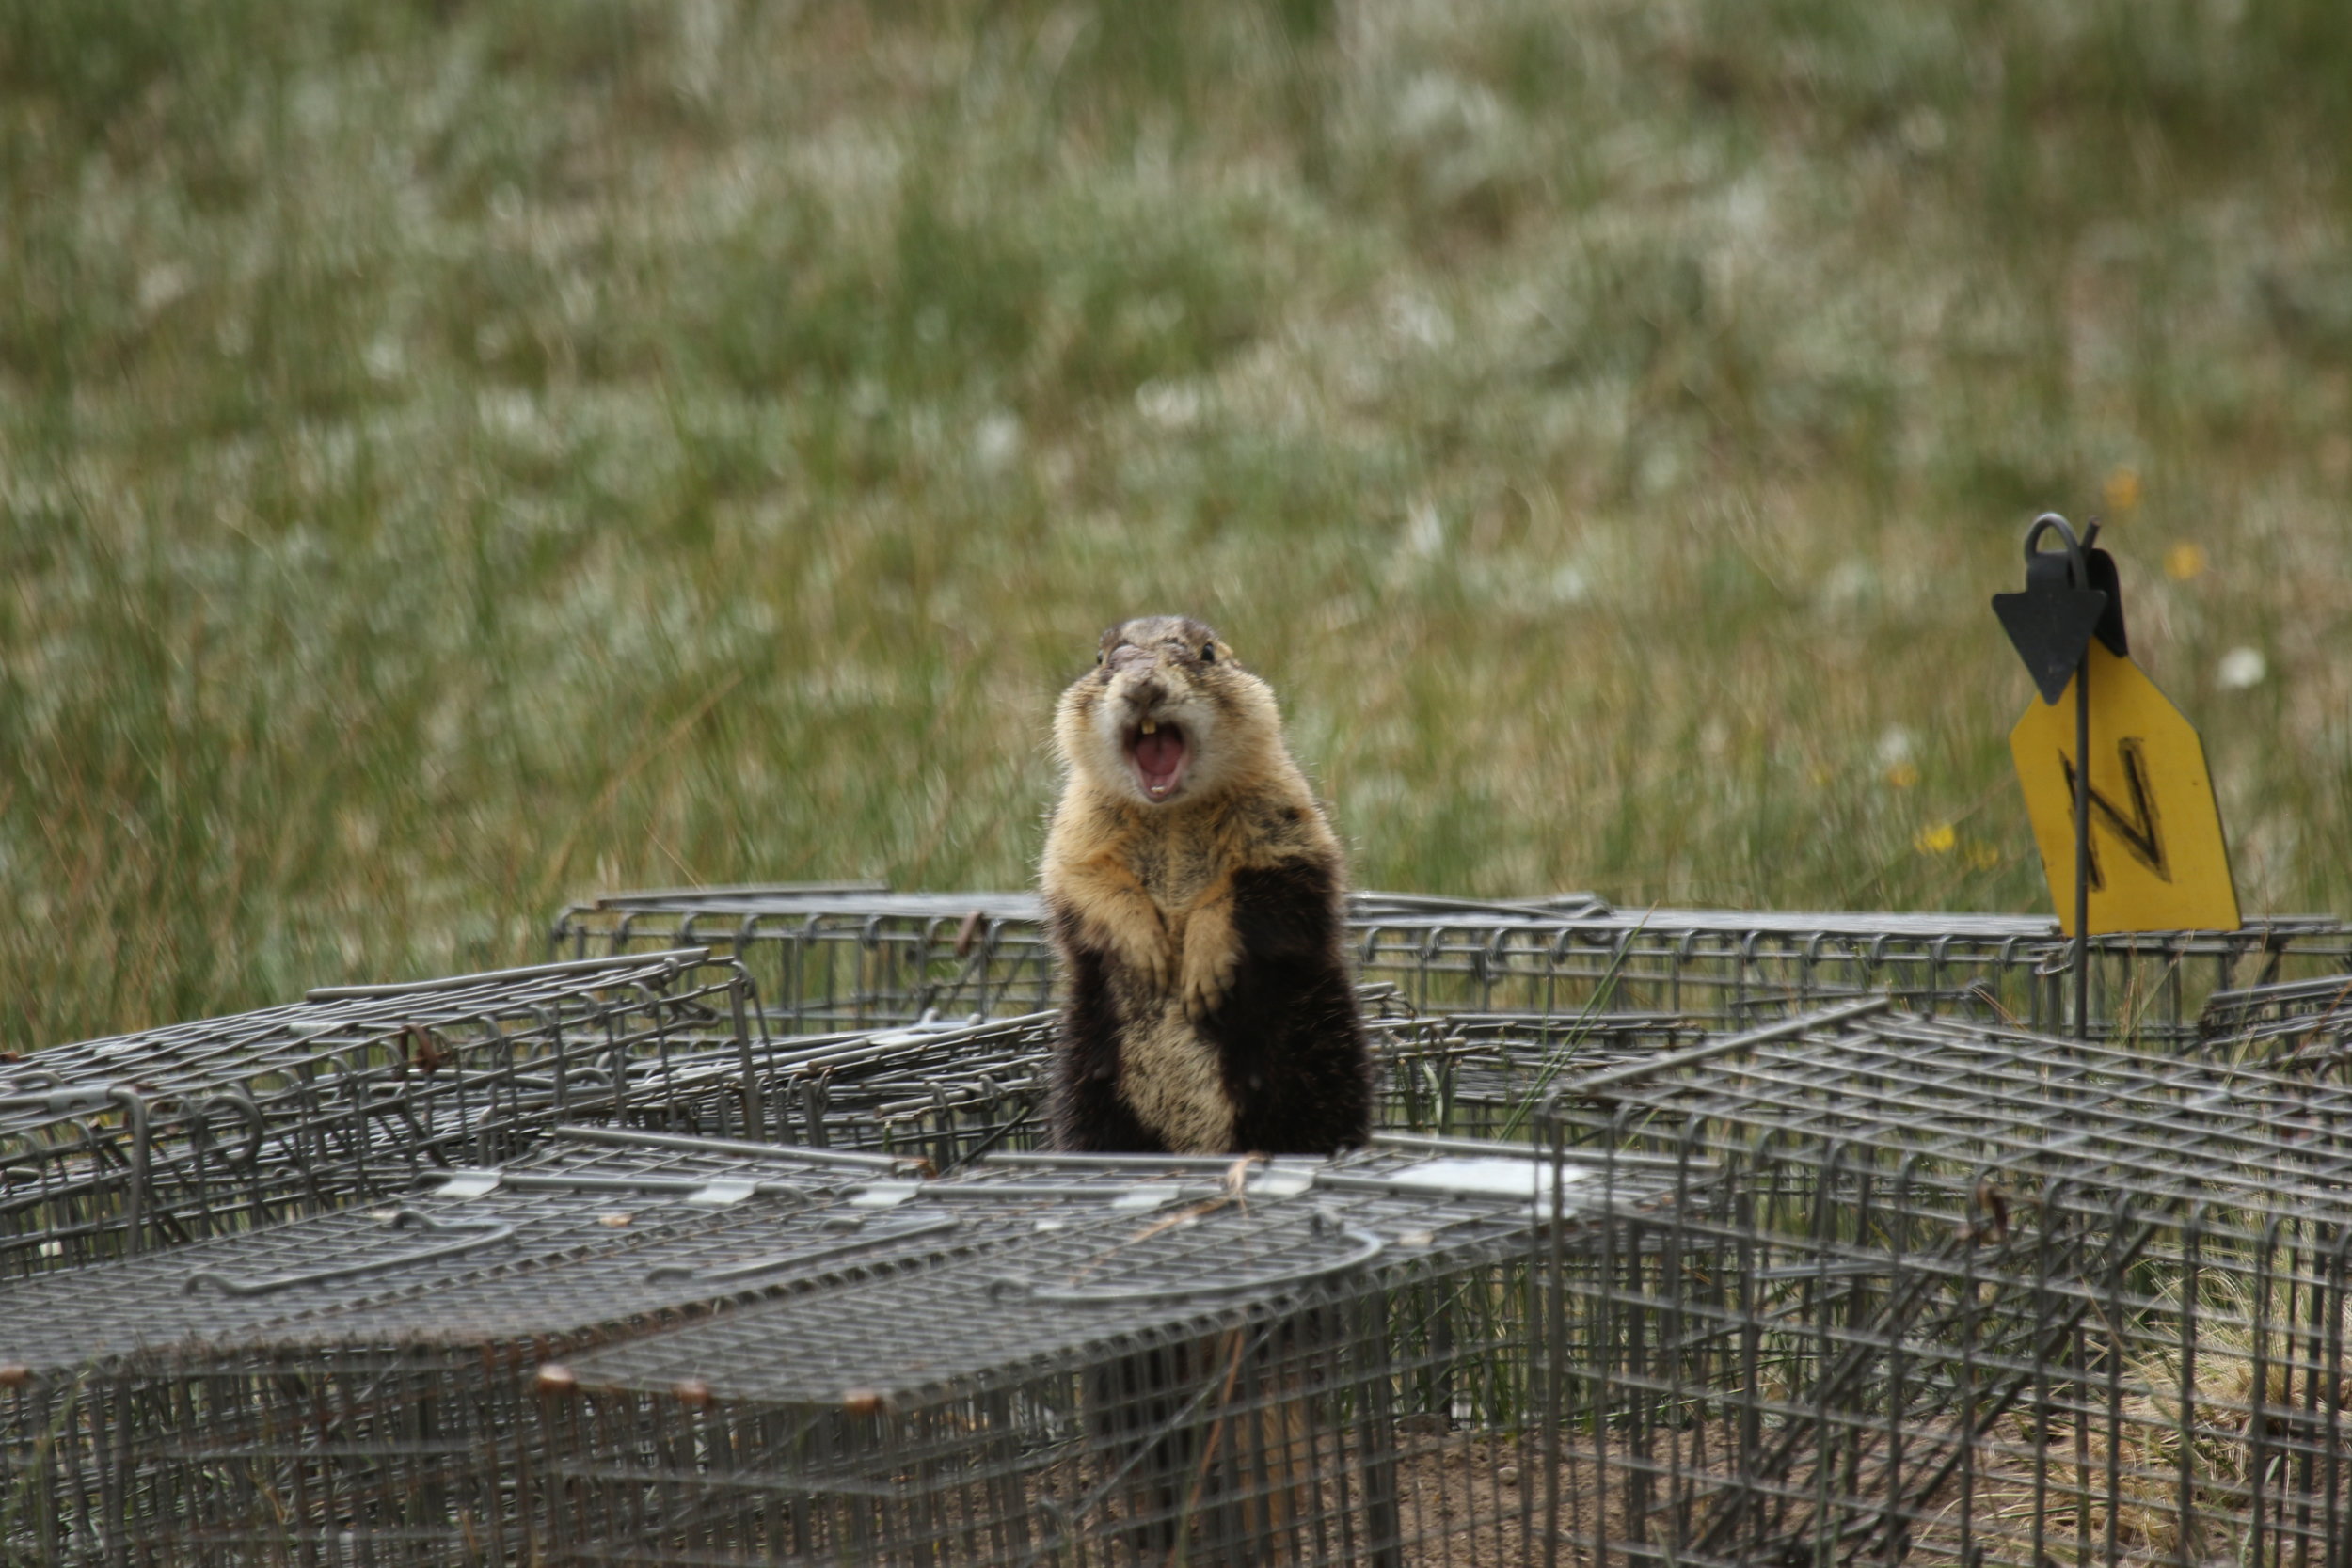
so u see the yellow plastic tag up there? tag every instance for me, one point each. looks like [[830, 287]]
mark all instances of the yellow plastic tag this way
[[2157, 859]]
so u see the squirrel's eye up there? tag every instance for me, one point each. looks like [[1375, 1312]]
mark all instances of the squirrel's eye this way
[[1208, 652], [1098, 657]]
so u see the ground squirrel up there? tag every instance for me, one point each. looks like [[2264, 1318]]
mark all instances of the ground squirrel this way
[[1193, 888]]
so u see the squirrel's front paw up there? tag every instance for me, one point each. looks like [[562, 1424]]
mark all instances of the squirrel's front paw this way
[[1208, 973], [1149, 964]]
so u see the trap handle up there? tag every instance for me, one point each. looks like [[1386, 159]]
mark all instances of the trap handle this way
[[1365, 1247], [753, 1268], [462, 1239], [237, 1099]]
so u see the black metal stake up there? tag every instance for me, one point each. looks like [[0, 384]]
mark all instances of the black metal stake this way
[[2082, 846], [2070, 597]]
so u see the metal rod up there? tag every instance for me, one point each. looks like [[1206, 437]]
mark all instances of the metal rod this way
[[1364, 1246], [1581, 1158], [628, 1137], [462, 1239], [1801, 1024], [1115, 1162], [647, 1182], [1022, 1191], [2082, 846], [678, 957], [731, 1272], [1456, 1146], [754, 1107], [731, 893]]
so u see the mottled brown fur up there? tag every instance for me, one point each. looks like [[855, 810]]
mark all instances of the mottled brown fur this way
[[1199, 930]]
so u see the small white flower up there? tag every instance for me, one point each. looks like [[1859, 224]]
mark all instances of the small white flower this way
[[163, 285], [1169, 405], [1414, 320], [2241, 668], [1848, 583], [383, 357], [1924, 132], [996, 441], [1894, 746], [1424, 530]]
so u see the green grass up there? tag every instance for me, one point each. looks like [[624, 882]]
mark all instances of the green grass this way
[[460, 456]]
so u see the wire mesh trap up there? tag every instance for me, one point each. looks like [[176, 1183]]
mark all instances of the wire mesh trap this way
[[353, 1095], [945, 1093], [1954, 1293], [1484, 1075], [953, 1094], [950, 1092], [846, 957], [2298, 1022], [854, 956], [354, 1386], [111, 1146], [1731, 968], [1315, 1364]]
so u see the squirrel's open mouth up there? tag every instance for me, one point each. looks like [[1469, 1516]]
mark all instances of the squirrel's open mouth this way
[[1158, 752]]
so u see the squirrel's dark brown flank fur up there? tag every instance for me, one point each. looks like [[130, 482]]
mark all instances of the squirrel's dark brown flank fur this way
[[1195, 893]]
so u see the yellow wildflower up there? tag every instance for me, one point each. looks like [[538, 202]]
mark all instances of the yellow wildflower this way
[[2185, 560], [1903, 775], [1935, 839], [2123, 488]]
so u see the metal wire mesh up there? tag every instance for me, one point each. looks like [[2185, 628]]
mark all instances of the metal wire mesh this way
[[942, 1093], [350, 1097], [1329, 1367], [842, 958], [110, 1147], [371, 1387], [1484, 1075], [952, 1095], [1954, 1293], [860, 957], [1857, 1284], [2290, 1020], [354, 1386]]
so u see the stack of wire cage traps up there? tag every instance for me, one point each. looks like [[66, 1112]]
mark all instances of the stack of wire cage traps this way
[[951, 1092], [1946, 1292], [314, 1343], [114, 1146], [356, 1386], [857, 957], [1289, 1361], [644, 1347], [731, 1236]]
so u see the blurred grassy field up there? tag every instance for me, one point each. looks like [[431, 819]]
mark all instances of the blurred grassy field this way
[[461, 455]]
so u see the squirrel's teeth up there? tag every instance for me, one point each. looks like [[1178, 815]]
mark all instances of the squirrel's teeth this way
[[1150, 726]]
